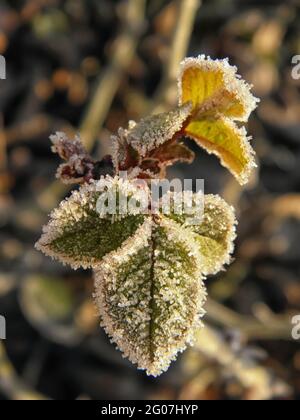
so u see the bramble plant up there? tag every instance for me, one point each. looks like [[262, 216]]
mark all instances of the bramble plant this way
[[150, 266]]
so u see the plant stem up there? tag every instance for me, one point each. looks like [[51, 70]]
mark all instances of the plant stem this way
[[273, 327], [187, 11], [11, 385], [109, 81]]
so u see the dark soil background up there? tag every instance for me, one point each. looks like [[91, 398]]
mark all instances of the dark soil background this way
[[58, 53]]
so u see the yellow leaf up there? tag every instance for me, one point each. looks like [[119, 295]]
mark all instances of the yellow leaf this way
[[223, 138], [214, 88], [219, 97]]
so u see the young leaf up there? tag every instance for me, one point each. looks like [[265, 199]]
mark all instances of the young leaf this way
[[151, 132], [219, 97], [214, 234], [79, 166], [65, 147], [78, 235], [150, 295]]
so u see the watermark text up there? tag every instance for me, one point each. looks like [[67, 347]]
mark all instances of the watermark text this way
[[296, 68], [157, 196], [2, 67], [296, 327], [2, 328]]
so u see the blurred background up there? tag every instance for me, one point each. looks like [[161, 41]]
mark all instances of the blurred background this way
[[89, 66]]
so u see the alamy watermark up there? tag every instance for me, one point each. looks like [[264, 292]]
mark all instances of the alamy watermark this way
[[158, 196], [296, 327], [2, 67], [2, 328], [2, 318], [296, 67]]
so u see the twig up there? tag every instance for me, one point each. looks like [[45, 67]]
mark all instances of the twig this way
[[198, 384], [11, 385], [273, 327], [108, 84], [257, 379], [187, 10], [38, 125]]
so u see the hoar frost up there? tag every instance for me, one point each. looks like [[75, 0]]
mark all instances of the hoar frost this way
[[150, 267]]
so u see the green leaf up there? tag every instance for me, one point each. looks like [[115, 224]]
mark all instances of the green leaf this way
[[150, 295], [214, 234], [79, 236], [149, 269]]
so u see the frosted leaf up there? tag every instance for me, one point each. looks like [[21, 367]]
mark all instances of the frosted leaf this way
[[214, 87], [150, 295], [219, 98], [214, 234], [151, 132], [147, 148], [78, 235]]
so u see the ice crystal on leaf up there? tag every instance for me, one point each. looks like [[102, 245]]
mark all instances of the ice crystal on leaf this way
[[150, 266]]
